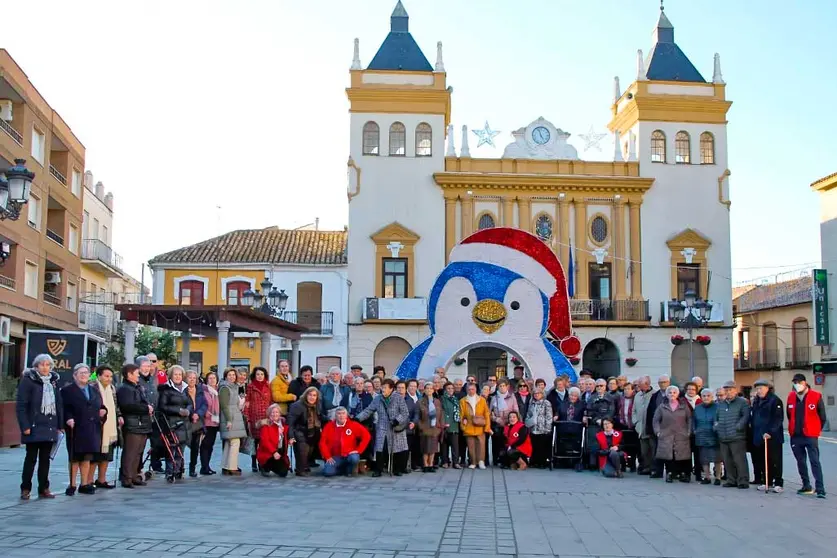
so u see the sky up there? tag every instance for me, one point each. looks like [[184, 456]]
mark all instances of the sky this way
[[213, 115]]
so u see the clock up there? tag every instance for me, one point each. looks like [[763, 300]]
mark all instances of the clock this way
[[540, 135]]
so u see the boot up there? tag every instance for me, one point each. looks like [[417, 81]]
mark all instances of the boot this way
[[254, 464], [192, 472]]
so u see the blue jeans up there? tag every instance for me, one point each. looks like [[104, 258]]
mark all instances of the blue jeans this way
[[800, 446], [342, 465]]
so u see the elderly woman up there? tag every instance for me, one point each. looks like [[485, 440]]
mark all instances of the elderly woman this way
[[231, 423], [431, 423], [391, 420], [613, 389], [539, 422], [40, 418], [211, 419], [305, 425], [476, 422], [334, 393], [174, 411], [450, 437], [503, 403], [673, 426], [257, 399], [573, 410], [376, 384], [195, 427], [137, 411], [599, 407], [610, 450], [518, 448], [84, 413], [706, 440], [273, 448], [110, 427]]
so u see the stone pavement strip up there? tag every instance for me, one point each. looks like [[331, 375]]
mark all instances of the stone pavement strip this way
[[444, 515]]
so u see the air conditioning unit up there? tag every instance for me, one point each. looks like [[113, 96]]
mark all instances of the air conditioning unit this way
[[52, 277], [5, 329], [5, 110]]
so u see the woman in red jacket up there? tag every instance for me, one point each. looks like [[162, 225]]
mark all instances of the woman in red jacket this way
[[610, 450], [272, 454], [256, 401], [519, 448]]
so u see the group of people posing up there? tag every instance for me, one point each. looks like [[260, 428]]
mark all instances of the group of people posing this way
[[353, 423]]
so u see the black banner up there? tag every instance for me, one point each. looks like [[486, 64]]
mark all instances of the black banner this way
[[66, 348]]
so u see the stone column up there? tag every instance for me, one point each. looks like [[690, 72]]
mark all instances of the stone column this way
[[581, 255], [636, 251], [185, 345], [223, 345], [265, 338], [508, 212], [450, 226], [524, 206], [130, 341], [619, 263], [564, 232], [294, 357]]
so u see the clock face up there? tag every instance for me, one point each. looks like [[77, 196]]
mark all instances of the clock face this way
[[540, 135]]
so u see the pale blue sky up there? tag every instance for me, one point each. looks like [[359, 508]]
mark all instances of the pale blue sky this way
[[187, 105]]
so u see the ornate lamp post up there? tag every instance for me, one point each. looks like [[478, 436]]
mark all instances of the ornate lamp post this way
[[15, 187], [269, 300], [690, 314]]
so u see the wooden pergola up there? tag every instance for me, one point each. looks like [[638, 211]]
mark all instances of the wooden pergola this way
[[212, 321]]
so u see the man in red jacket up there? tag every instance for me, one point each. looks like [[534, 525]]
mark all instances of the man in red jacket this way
[[341, 443], [806, 416]]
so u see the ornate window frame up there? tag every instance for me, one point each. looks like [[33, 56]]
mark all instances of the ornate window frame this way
[[480, 216], [198, 278], [395, 232], [608, 224], [689, 246], [234, 279]]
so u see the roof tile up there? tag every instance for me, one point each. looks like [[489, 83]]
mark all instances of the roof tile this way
[[774, 295]]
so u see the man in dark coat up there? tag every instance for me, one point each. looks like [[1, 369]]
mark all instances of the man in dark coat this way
[[148, 382], [731, 427], [136, 412], [767, 420], [84, 412]]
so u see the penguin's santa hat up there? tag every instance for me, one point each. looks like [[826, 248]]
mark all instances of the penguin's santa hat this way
[[532, 259]]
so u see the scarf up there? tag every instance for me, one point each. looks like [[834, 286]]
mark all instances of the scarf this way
[[109, 433], [212, 391], [571, 411], [181, 389], [280, 429], [431, 411], [472, 401], [694, 400], [337, 396], [48, 395], [312, 417], [673, 403], [501, 402]]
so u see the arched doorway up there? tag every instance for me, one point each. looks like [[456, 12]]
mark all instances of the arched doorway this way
[[680, 374], [487, 361], [601, 357], [390, 352]]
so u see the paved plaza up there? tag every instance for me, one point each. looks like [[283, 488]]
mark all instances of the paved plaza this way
[[448, 514]]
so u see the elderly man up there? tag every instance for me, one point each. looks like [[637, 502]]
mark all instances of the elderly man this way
[[731, 426], [148, 383], [663, 382], [638, 415], [349, 380], [589, 389], [698, 381], [334, 393], [439, 372], [159, 372], [806, 417], [356, 370], [341, 443], [767, 418]]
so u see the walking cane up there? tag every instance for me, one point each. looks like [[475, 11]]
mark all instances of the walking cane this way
[[766, 474]]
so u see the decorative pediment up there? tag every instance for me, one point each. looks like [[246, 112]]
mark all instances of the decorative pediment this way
[[689, 238], [540, 140], [395, 231]]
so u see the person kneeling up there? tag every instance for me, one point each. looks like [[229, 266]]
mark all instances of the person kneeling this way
[[272, 453], [519, 449], [342, 442], [610, 454]]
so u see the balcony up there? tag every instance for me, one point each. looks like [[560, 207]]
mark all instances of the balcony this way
[[798, 357], [57, 175], [7, 282], [55, 237], [605, 310], [406, 310], [318, 323], [96, 253], [767, 359], [11, 132], [52, 298], [96, 319]]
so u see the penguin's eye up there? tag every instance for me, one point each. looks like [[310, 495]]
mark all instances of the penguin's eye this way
[[515, 305], [465, 301]]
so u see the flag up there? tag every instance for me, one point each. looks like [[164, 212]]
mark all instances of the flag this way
[[571, 280]]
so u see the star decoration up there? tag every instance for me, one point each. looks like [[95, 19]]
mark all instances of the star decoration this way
[[592, 139], [486, 135]]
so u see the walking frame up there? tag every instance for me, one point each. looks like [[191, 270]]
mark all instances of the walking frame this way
[[169, 443]]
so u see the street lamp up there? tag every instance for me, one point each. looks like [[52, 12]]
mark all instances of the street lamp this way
[[15, 186], [690, 314], [269, 300]]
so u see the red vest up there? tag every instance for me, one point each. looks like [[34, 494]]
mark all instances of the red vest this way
[[601, 437], [513, 434], [337, 441], [811, 425]]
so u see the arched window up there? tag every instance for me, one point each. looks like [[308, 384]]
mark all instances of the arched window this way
[[707, 149], [543, 227], [424, 140], [658, 147], [397, 140], [371, 139], [486, 221], [682, 148]]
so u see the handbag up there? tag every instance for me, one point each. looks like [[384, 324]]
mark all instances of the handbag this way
[[247, 445], [477, 420]]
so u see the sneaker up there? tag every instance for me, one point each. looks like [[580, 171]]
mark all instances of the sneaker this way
[[778, 489], [25, 494], [706, 481], [481, 465], [805, 490], [472, 466], [821, 495], [762, 488]]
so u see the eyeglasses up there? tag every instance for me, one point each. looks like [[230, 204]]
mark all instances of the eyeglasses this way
[[153, 362]]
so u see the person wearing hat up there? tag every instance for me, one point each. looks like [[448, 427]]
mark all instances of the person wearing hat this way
[[767, 421], [806, 416], [357, 370], [731, 427]]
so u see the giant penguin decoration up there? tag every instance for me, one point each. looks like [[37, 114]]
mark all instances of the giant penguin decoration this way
[[503, 288]]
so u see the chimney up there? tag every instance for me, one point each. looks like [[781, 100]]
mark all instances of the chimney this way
[[88, 180], [316, 223], [100, 190], [109, 200]]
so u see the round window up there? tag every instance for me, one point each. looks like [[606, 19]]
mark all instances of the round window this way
[[598, 229]]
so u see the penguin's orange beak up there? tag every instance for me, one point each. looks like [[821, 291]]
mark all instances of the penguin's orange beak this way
[[489, 315]]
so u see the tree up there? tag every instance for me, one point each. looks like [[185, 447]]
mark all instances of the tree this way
[[149, 340]]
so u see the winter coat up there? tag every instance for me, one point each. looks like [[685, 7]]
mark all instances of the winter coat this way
[[86, 434], [280, 392], [501, 418], [388, 411], [412, 410], [258, 399], [523, 404], [423, 408], [340, 441], [450, 406], [133, 404], [466, 412], [599, 408], [703, 425], [605, 444], [539, 417], [357, 403], [557, 402], [230, 413], [517, 438], [656, 399], [326, 399], [578, 410], [639, 412], [42, 428], [149, 384], [171, 402], [297, 386], [732, 420], [269, 443], [625, 412], [767, 416], [298, 421], [673, 429]]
